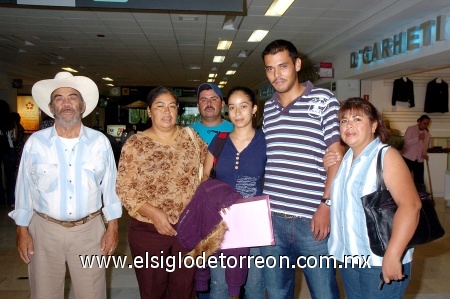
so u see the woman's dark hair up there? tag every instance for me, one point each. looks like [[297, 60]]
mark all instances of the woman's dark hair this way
[[247, 91], [6, 123], [281, 45], [359, 105], [15, 117], [422, 118], [156, 92]]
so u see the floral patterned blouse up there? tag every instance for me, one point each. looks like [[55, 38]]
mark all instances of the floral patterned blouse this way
[[166, 176]]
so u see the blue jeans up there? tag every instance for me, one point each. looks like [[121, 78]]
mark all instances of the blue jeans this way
[[293, 238], [254, 286], [203, 295], [364, 283]]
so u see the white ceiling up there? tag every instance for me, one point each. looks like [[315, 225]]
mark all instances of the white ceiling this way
[[150, 48]]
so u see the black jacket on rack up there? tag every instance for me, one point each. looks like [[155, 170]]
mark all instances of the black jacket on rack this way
[[436, 98], [403, 92]]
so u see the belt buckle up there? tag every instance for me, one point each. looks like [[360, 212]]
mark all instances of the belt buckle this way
[[68, 224], [286, 216]]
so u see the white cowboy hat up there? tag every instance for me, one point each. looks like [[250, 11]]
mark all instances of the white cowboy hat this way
[[43, 89]]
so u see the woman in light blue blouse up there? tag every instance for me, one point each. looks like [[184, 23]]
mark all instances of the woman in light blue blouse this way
[[363, 130]]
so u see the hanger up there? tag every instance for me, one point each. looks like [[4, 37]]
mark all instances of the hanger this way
[[438, 80], [405, 78]]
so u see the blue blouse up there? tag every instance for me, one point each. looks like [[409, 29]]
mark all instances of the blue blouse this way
[[244, 170]]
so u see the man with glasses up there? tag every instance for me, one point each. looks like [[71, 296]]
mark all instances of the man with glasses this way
[[210, 104]]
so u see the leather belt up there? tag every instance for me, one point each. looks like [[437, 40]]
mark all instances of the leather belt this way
[[286, 215], [70, 223]]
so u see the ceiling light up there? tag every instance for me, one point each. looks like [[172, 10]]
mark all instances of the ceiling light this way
[[278, 7], [224, 45], [230, 72], [219, 59], [187, 18], [258, 35], [223, 83], [235, 64], [194, 67], [69, 69], [220, 86], [211, 80], [109, 84], [212, 75], [27, 43], [107, 79]]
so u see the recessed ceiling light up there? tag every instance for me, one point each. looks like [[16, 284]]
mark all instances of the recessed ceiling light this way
[[219, 59], [187, 18], [257, 35], [69, 69], [107, 79], [212, 75], [224, 45], [278, 7], [235, 64], [220, 86], [211, 80], [230, 72], [109, 84], [223, 83]]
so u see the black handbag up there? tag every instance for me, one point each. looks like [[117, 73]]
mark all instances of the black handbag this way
[[380, 207]]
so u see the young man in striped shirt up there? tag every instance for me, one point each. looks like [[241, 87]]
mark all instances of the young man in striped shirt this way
[[300, 123]]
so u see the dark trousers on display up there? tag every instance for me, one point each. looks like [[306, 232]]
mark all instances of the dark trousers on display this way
[[417, 170]]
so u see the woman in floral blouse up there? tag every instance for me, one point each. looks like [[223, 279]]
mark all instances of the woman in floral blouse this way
[[157, 176]]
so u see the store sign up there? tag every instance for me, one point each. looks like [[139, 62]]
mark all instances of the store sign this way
[[412, 39], [229, 6]]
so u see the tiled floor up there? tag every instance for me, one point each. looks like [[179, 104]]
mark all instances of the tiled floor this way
[[430, 274]]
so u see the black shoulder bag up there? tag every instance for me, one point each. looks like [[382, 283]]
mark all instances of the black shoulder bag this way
[[218, 146], [380, 207]]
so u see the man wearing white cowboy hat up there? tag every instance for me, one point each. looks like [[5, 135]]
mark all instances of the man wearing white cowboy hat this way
[[66, 179]]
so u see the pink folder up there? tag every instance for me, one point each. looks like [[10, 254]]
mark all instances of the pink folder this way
[[249, 223]]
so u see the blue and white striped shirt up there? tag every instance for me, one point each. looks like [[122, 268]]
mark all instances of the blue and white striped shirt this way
[[348, 235], [297, 136], [66, 184]]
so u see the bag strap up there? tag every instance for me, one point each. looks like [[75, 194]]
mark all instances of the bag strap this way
[[191, 134], [218, 146], [380, 182]]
